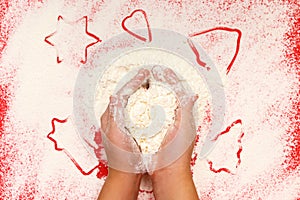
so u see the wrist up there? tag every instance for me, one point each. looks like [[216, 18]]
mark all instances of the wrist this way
[[171, 174], [124, 176], [120, 185], [178, 183]]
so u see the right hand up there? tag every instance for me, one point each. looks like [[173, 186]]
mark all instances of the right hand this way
[[174, 181], [178, 143]]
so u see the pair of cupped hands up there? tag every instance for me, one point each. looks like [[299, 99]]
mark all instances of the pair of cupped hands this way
[[177, 146]]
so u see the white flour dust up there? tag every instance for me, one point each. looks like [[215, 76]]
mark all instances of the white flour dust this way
[[151, 112], [257, 91]]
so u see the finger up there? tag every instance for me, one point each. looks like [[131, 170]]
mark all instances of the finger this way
[[189, 102], [173, 81], [116, 109], [173, 129], [116, 114], [187, 112], [104, 119], [111, 107], [181, 111], [177, 117], [134, 84], [158, 73], [171, 77]]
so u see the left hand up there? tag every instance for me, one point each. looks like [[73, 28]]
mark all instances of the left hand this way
[[122, 151]]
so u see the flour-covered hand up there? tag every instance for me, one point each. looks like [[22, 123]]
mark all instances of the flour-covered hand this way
[[179, 139], [122, 151]]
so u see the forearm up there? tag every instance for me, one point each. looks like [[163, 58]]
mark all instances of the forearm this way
[[120, 185], [173, 186]]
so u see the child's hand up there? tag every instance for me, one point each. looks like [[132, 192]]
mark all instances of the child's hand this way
[[121, 149], [174, 181], [181, 135]]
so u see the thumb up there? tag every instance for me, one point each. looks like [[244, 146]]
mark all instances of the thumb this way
[[188, 102]]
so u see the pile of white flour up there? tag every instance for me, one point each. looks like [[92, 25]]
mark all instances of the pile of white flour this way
[[151, 112]]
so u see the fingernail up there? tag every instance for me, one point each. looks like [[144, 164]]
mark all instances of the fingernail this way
[[146, 72], [195, 97], [143, 72], [113, 99]]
